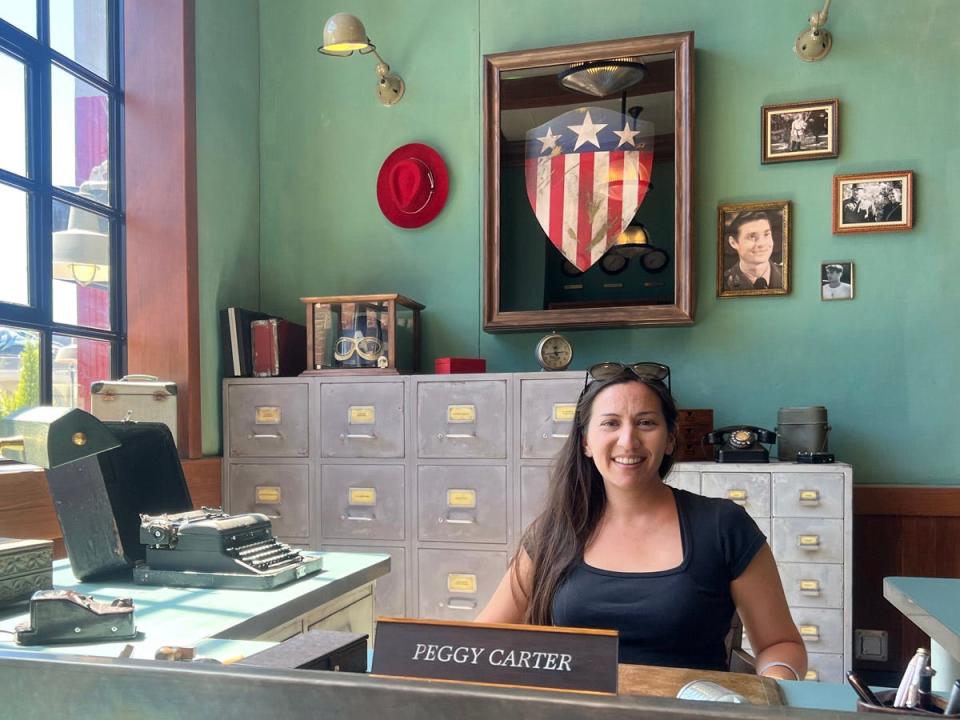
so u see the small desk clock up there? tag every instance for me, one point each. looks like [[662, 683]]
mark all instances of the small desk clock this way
[[554, 352]]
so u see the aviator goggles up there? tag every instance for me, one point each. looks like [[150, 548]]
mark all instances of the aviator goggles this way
[[367, 347]]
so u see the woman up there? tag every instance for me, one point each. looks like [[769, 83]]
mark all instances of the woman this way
[[617, 548]]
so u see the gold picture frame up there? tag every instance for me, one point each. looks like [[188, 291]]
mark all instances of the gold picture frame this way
[[753, 256], [873, 202]]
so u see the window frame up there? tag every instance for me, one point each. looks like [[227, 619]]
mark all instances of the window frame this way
[[40, 59]]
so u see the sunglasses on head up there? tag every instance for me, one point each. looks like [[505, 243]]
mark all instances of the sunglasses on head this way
[[643, 370]]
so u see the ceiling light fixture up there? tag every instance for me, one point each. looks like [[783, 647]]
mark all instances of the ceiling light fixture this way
[[603, 77]]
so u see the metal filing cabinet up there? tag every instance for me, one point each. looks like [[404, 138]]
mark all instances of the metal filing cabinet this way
[[444, 472]]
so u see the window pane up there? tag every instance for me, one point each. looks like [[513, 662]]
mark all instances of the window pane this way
[[14, 256], [22, 13], [81, 136], [13, 121], [19, 369], [77, 363], [78, 29], [81, 267]]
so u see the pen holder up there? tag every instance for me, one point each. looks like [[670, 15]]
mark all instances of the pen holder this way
[[887, 697]]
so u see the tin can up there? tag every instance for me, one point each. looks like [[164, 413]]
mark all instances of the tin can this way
[[709, 691]]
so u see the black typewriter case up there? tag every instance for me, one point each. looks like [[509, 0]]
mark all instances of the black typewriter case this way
[[99, 499]]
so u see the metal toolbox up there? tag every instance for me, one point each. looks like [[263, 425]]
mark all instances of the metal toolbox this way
[[139, 398], [25, 566]]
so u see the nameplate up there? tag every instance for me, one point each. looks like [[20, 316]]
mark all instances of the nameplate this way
[[551, 658]]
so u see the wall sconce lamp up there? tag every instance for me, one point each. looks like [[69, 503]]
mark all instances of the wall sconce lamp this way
[[815, 42], [342, 35]]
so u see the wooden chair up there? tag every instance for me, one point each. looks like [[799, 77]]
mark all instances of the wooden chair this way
[[738, 659]]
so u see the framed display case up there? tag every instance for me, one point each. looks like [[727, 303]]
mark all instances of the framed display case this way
[[362, 334]]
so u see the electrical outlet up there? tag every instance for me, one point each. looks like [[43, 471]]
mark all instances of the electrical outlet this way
[[870, 645]]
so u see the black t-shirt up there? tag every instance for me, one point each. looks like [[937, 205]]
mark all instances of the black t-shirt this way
[[677, 617]]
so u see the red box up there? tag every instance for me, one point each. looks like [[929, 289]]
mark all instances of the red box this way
[[446, 365]]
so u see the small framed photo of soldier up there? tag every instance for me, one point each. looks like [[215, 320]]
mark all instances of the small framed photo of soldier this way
[[873, 202], [753, 249], [836, 280], [808, 130]]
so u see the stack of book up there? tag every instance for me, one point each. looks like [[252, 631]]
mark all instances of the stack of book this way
[[255, 344]]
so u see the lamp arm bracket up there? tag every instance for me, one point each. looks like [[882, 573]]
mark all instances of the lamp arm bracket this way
[[818, 20]]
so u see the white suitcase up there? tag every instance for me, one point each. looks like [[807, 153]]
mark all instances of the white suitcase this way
[[139, 398]]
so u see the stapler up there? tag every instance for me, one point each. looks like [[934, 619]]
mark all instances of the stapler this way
[[65, 616]]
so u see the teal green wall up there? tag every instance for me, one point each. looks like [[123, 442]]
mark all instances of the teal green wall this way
[[886, 364], [228, 180]]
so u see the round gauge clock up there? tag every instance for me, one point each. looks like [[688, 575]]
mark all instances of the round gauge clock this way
[[554, 352]]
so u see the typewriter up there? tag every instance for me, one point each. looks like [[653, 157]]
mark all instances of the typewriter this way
[[209, 548]]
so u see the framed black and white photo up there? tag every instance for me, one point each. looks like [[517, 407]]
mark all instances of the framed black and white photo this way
[[808, 130], [753, 249], [836, 280], [873, 202]]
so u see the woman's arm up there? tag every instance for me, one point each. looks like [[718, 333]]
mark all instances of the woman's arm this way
[[758, 594], [509, 601]]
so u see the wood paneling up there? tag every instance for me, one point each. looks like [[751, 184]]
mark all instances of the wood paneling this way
[[900, 530], [163, 328], [26, 509]]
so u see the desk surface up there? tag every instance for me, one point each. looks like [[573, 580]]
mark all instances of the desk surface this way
[[212, 621], [932, 604]]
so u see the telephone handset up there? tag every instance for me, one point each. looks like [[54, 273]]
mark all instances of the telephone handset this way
[[741, 443]]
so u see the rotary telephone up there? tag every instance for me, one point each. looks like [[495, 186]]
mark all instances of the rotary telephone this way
[[740, 443]]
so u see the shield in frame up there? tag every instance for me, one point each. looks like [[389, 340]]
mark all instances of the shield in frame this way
[[587, 171]]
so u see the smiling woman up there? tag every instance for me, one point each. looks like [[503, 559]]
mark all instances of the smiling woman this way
[[616, 548]]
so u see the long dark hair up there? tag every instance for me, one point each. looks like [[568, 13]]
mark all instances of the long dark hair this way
[[575, 503]]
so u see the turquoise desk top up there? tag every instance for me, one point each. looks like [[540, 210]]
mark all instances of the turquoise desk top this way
[[818, 696], [217, 623], [932, 604]]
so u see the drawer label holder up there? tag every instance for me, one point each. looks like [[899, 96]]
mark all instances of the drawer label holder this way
[[267, 415], [268, 495], [559, 658], [366, 496], [461, 413], [564, 412], [461, 498], [362, 415]]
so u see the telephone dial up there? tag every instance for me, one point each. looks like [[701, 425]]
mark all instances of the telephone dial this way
[[740, 443]]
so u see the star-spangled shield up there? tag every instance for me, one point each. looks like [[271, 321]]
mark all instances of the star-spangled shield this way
[[587, 171]]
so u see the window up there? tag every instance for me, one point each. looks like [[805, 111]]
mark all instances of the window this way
[[62, 323]]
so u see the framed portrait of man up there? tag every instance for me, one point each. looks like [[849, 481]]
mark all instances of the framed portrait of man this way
[[753, 249], [873, 202], [807, 130], [836, 280]]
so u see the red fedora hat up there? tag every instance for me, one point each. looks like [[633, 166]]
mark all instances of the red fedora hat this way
[[412, 185]]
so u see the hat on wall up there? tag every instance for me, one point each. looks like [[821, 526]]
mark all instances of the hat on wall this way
[[412, 185]]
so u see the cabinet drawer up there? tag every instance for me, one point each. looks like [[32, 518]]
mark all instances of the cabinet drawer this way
[[547, 410], [462, 419], [362, 501], [534, 485], [462, 503], [389, 599], [808, 495], [808, 540], [750, 490], [824, 668], [457, 585], [812, 584], [362, 420], [281, 492], [684, 479], [821, 629], [268, 420]]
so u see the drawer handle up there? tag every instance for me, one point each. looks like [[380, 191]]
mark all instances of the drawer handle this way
[[357, 436], [738, 496], [362, 518], [810, 633], [456, 521], [273, 517], [265, 436], [810, 497], [459, 604], [560, 436], [808, 542], [810, 588], [455, 436]]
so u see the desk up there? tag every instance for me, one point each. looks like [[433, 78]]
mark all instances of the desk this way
[[226, 623], [933, 605]]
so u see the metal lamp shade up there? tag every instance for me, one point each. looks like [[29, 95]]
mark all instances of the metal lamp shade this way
[[344, 33]]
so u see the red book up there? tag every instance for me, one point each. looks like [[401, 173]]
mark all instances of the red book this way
[[459, 365], [279, 348]]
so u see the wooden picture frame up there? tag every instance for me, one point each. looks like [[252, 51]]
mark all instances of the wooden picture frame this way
[[753, 249], [836, 280], [808, 130], [873, 202]]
